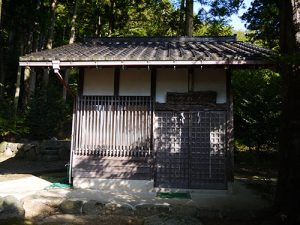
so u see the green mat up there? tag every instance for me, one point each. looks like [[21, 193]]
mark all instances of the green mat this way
[[181, 195], [63, 183]]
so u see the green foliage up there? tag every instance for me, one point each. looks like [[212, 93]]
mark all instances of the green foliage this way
[[27, 24], [48, 115], [149, 19], [217, 14], [10, 125], [215, 29], [241, 35], [262, 20], [257, 107]]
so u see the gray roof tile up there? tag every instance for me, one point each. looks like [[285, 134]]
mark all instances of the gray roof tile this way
[[153, 49]]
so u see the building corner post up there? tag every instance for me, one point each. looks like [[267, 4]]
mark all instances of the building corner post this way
[[229, 131]]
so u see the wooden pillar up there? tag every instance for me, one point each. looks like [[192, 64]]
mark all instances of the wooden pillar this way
[[153, 83], [117, 81], [229, 129], [153, 99], [80, 81], [190, 78]]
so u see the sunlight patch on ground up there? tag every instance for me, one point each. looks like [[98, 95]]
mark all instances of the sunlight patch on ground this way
[[21, 185]]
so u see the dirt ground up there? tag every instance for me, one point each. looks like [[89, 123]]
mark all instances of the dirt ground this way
[[261, 180]]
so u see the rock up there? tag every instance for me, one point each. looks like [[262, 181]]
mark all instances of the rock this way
[[39, 208], [3, 147], [90, 219], [164, 219], [64, 219], [8, 152], [93, 207], [151, 209], [71, 206], [21, 152], [118, 209], [14, 147], [20, 146], [28, 147], [11, 207]]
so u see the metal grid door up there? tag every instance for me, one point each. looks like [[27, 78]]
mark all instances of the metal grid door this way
[[207, 150], [190, 149], [171, 144]]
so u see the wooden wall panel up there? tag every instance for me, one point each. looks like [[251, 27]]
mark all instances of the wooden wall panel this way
[[112, 168]]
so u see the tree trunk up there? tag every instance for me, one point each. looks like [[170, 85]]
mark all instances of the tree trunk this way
[[181, 27], [52, 24], [18, 81], [0, 11], [71, 41], [35, 40], [111, 25], [17, 92], [45, 79], [98, 27], [73, 23], [50, 40], [32, 81], [189, 17], [36, 28], [26, 86], [2, 74], [288, 196]]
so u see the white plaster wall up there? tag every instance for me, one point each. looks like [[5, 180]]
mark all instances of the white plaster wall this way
[[135, 82], [98, 81], [170, 80], [211, 80]]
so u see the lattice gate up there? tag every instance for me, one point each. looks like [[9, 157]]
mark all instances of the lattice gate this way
[[190, 149], [112, 137]]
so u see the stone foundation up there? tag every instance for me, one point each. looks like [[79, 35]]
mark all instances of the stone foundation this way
[[113, 184], [49, 150]]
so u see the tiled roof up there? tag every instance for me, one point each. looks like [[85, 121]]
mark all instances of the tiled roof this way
[[156, 49]]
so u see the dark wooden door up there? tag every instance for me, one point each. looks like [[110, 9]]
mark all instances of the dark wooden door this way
[[190, 149]]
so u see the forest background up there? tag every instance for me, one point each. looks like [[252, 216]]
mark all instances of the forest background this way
[[34, 106]]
